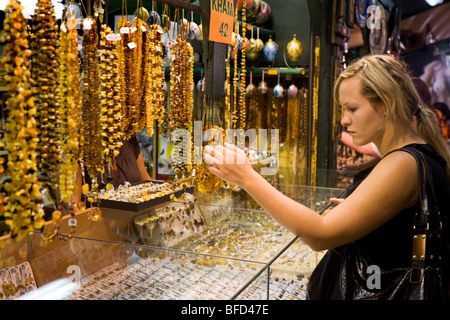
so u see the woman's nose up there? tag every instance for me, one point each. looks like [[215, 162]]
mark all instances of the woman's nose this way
[[345, 121]]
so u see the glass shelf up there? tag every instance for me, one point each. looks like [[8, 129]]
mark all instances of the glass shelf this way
[[275, 71], [268, 71]]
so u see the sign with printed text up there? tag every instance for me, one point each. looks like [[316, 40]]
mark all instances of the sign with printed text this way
[[221, 21]]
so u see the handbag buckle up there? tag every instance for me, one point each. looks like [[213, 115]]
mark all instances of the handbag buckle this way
[[416, 275], [418, 249]]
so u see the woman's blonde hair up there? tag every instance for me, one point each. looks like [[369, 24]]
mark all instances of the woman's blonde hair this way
[[385, 80]]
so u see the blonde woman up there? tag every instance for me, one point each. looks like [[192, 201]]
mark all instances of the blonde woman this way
[[379, 105]]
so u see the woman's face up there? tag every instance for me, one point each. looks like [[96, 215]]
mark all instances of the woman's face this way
[[364, 122]]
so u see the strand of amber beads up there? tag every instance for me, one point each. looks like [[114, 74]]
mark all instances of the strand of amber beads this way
[[129, 79], [235, 75], [181, 100], [142, 39], [23, 202], [57, 217], [70, 110], [156, 109], [242, 93], [227, 92], [293, 119], [181, 84], [92, 146], [121, 70], [206, 181], [175, 112], [45, 73], [2, 169], [110, 103]]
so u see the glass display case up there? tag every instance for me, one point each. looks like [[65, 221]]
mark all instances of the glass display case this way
[[105, 270], [225, 249]]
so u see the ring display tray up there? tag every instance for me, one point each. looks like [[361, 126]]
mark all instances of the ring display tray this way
[[164, 196]]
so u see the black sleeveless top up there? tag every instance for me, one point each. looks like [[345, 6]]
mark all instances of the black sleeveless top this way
[[390, 246]]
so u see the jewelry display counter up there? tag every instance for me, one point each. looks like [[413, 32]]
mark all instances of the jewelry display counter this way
[[107, 270], [176, 250]]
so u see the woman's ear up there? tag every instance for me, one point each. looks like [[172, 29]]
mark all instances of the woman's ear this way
[[380, 108]]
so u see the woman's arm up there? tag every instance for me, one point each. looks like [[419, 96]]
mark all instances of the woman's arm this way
[[142, 169], [365, 149], [360, 166], [390, 188]]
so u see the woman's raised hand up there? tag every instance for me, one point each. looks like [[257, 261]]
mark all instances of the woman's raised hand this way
[[229, 163]]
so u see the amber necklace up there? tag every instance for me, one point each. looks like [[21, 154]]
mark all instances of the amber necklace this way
[[181, 98], [156, 110], [92, 146], [23, 202], [110, 100]]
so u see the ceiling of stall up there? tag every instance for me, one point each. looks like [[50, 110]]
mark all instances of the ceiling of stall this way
[[437, 18], [416, 15], [412, 7]]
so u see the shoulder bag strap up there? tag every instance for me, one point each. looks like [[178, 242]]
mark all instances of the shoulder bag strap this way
[[427, 221]]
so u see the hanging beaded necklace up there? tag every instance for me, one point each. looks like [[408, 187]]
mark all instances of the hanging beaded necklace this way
[[110, 100], [23, 202]]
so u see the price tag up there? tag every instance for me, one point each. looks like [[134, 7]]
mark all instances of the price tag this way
[[72, 222], [221, 21], [87, 24], [132, 45], [124, 30], [144, 29], [63, 27], [113, 37], [26, 15]]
